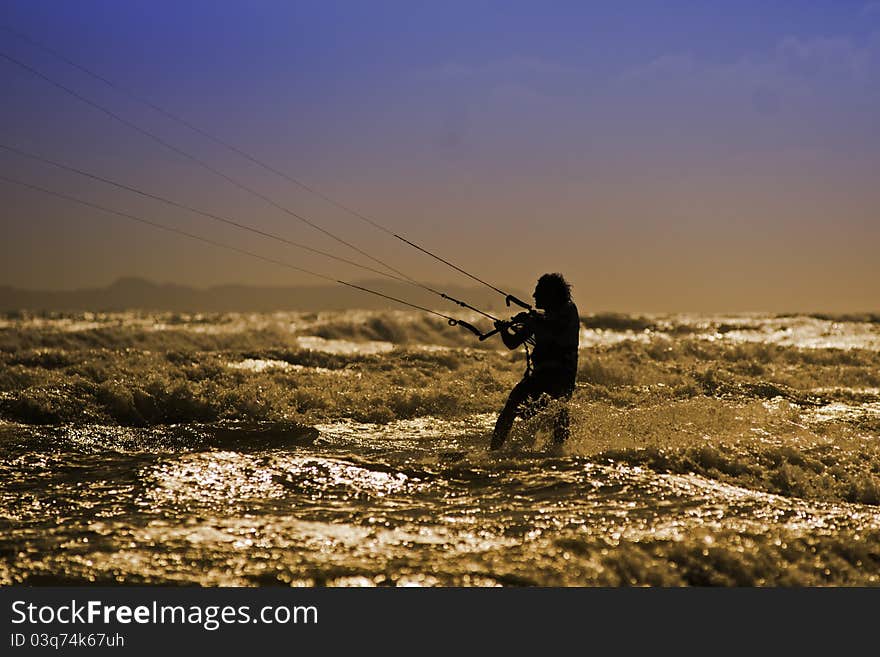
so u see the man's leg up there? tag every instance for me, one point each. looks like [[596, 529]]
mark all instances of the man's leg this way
[[520, 393], [561, 423], [562, 418]]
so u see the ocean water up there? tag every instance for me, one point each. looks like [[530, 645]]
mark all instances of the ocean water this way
[[767, 477]]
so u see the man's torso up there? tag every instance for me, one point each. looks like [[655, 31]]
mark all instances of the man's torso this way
[[557, 336]]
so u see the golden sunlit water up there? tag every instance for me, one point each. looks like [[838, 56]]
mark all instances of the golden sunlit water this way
[[352, 474]]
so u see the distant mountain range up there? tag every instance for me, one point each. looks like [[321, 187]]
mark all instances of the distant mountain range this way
[[140, 294]]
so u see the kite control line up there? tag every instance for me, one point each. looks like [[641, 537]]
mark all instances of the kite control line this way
[[452, 321], [396, 275], [508, 298]]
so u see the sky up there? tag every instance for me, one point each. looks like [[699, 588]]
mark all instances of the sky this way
[[664, 157]]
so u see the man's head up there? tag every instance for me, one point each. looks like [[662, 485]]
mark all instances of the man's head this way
[[552, 291]]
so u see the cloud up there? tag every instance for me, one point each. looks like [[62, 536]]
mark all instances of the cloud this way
[[801, 95], [871, 9], [821, 56], [796, 72]]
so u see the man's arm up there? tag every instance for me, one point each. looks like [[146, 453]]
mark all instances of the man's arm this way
[[514, 338]]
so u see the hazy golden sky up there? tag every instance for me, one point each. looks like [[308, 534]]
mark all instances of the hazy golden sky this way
[[714, 156]]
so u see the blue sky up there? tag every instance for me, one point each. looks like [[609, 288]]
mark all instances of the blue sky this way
[[664, 156]]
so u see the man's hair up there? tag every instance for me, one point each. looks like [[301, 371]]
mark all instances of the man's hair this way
[[558, 290]]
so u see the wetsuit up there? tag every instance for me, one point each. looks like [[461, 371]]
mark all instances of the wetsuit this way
[[553, 367]]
